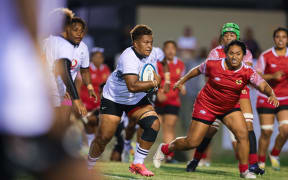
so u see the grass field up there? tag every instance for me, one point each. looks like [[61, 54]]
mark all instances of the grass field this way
[[177, 172]]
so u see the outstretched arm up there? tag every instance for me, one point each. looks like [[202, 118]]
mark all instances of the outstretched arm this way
[[191, 74]]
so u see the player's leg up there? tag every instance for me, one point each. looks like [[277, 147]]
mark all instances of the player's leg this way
[[168, 126], [246, 108], [281, 138], [129, 133], [267, 126], [197, 130], [236, 123], [110, 117], [118, 147], [148, 120], [202, 148]]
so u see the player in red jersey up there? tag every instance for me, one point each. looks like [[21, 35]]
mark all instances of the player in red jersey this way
[[230, 32], [273, 66], [226, 79], [168, 104], [99, 73]]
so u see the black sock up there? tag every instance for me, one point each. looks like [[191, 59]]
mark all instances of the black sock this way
[[253, 142]]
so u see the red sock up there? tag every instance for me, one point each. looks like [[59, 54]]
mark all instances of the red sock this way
[[165, 149], [262, 158], [275, 152], [198, 155], [242, 167], [171, 155], [204, 155], [253, 159]]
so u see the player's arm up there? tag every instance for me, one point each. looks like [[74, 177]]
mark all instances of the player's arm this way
[[63, 69], [196, 71], [86, 79], [134, 85], [166, 75], [261, 85], [277, 75]]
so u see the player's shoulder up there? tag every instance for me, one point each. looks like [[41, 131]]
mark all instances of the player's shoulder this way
[[128, 55], [267, 53], [214, 60], [83, 46]]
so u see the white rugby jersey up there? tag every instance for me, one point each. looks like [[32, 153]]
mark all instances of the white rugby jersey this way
[[129, 62], [56, 47]]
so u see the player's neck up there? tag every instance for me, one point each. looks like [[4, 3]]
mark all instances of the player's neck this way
[[281, 51]]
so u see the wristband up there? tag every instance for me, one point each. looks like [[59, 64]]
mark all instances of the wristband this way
[[155, 83]]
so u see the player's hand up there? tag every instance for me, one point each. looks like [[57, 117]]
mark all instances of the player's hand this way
[[161, 97], [178, 85], [67, 96], [277, 75], [273, 100], [157, 78], [79, 107], [183, 90], [91, 92]]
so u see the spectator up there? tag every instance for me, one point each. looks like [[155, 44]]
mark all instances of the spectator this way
[[251, 43], [187, 44]]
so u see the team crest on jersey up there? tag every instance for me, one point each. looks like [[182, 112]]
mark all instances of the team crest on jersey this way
[[178, 71], [202, 111], [238, 81], [74, 63]]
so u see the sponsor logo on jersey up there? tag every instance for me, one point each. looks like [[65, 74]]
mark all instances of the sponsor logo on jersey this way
[[273, 65], [238, 81], [261, 101], [217, 79], [74, 63], [202, 111]]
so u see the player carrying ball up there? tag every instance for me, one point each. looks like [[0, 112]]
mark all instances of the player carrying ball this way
[[226, 79], [124, 92]]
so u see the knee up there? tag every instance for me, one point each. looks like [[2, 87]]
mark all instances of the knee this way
[[242, 135], [283, 130], [151, 125], [266, 134]]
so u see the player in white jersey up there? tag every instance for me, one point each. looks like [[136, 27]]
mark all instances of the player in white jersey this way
[[124, 92], [66, 55]]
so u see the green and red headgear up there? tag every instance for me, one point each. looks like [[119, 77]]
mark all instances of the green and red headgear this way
[[231, 27]]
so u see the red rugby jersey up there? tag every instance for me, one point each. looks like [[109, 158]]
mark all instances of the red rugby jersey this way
[[223, 88], [268, 63], [98, 76], [218, 52], [177, 70]]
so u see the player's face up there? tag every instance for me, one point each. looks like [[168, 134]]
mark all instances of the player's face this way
[[235, 56], [169, 51], [75, 33], [97, 58], [228, 37], [144, 44], [280, 39]]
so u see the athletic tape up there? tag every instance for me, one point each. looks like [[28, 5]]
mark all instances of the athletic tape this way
[[267, 127], [283, 122]]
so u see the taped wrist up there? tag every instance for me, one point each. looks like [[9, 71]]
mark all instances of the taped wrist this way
[[149, 133]]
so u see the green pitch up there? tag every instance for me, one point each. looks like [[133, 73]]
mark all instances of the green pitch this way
[[177, 172]]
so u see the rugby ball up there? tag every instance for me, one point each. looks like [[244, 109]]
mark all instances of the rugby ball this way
[[146, 74]]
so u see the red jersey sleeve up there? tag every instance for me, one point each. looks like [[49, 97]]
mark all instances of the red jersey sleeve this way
[[248, 57], [254, 78], [261, 64], [203, 67], [213, 54]]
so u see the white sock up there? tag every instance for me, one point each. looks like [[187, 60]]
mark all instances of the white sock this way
[[140, 155], [91, 162], [127, 145], [90, 138]]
